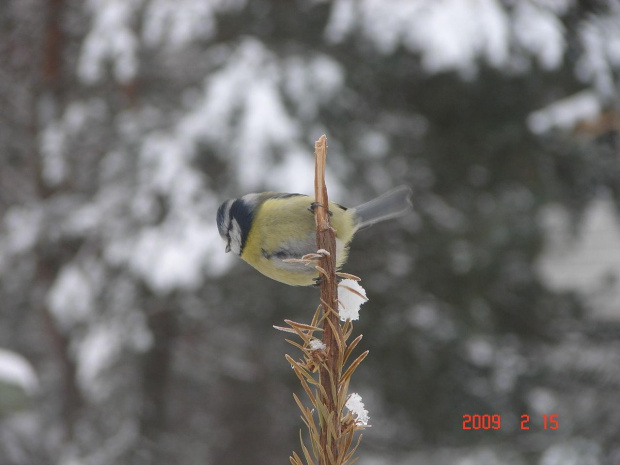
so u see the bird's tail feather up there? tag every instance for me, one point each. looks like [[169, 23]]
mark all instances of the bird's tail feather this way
[[392, 204]]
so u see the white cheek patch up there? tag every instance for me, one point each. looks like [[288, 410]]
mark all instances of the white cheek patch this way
[[235, 237]]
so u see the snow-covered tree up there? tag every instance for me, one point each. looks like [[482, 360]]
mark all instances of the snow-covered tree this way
[[125, 123]]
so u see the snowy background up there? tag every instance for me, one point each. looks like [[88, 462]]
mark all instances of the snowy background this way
[[127, 336]]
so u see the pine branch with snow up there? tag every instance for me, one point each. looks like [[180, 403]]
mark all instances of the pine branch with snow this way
[[323, 371]]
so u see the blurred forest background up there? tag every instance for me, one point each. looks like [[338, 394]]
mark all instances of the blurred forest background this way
[[128, 336]]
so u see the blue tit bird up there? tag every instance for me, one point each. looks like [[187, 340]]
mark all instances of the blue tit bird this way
[[267, 228]]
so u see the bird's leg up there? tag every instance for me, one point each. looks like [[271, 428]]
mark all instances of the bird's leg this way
[[313, 206], [319, 280]]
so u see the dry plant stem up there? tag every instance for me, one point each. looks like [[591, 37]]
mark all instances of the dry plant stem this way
[[330, 372], [332, 437]]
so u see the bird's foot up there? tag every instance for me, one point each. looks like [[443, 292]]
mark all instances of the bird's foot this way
[[313, 206]]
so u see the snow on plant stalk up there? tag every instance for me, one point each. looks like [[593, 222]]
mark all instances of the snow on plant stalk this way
[[323, 370]]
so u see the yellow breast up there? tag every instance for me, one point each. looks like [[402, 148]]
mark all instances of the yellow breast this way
[[284, 228]]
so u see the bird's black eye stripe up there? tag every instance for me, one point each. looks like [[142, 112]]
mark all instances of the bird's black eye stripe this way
[[243, 214]]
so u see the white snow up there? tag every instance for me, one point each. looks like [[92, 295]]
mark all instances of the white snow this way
[[165, 167], [424, 316], [55, 137], [311, 81], [375, 144], [557, 6], [98, 349], [110, 39], [103, 344], [71, 297], [265, 144], [540, 32], [177, 23], [356, 406], [480, 351], [601, 58], [453, 34], [295, 173], [577, 451], [16, 370], [173, 255], [564, 114], [52, 141], [589, 261], [542, 401], [20, 230], [351, 296], [264, 124], [84, 220], [508, 366], [317, 344], [341, 20]]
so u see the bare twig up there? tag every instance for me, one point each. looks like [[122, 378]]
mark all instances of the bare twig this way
[[329, 374]]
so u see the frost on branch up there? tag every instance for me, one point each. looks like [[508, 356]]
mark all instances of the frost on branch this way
[[351, 296], [356, 407]]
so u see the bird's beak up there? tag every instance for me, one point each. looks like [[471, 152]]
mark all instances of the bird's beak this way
[[227, 248]]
